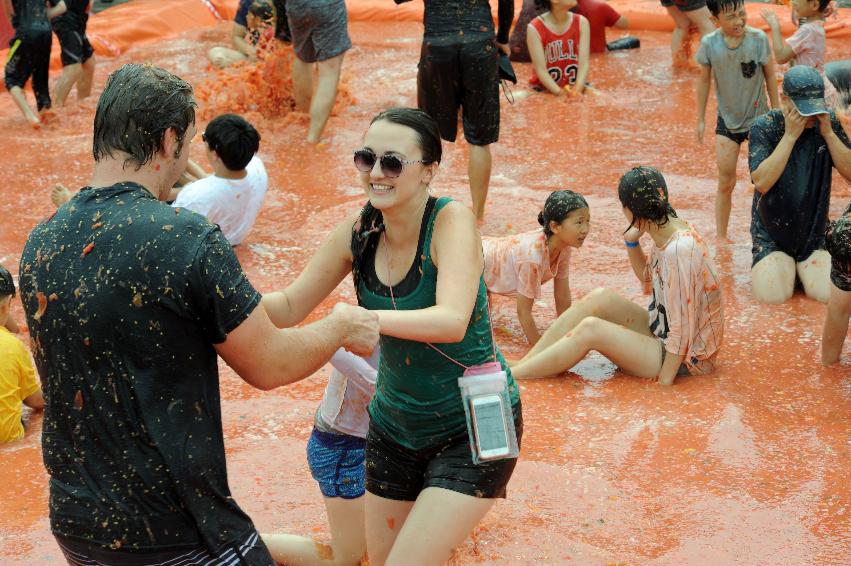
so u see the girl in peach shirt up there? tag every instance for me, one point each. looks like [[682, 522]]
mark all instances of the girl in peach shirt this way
[[679, 333], [518, 265]]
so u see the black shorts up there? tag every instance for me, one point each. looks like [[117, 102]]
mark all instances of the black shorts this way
[[251, 552], [29, 56], [396, 472], [461, 75], [76, 48], [684, 5], [840, 275], [763, 244], [738, 137]]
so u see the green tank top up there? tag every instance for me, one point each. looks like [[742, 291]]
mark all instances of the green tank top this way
[[417, 399]]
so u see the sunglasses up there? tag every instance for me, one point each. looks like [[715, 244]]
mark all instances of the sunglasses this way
[[391, 165]]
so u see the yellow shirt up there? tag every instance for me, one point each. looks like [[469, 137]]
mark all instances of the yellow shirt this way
[[17, 382]]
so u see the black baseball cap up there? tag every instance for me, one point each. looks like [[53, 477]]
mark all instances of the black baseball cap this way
[[805, 88], [7, 284]]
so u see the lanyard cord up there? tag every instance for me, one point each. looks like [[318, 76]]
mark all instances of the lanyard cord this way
[[429, 344]]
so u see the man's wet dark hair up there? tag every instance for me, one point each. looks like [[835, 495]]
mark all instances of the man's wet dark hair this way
[[428, 134], [370, 223], [138, 105], [644, 192], [233, 139], [718, 6]]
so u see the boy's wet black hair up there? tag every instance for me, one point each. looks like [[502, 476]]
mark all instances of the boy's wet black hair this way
[[262, 10], [7, 284], [138, 105], [823, 4], [558, 206], [718, 6], [644, 192], [370, 224], [837, 242], [233, 139]]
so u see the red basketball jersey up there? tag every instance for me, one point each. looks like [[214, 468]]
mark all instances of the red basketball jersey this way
[[561, 51]]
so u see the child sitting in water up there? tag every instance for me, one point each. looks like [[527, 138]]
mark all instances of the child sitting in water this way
[[739, 58], [681, 331], [808, 44], [838, 243], [559, 45], [519, 265], [253, 20], [18, 383]]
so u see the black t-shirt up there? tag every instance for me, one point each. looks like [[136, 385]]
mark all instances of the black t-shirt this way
[[466, 20], [31, 15], [75, 17], [125, 297], [794, 211]]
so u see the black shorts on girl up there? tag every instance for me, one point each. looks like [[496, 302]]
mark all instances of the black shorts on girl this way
[[398, 473]]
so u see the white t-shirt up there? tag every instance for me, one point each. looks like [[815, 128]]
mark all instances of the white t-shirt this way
[[233, 204]]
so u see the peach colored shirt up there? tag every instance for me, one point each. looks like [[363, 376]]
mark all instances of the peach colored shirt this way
[[519, 265], [809, 42], [686, 309]]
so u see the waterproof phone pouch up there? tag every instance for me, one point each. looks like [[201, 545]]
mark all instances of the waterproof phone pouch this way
[[487, 405]]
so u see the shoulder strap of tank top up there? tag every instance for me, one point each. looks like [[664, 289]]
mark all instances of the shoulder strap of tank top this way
[[441, 202]]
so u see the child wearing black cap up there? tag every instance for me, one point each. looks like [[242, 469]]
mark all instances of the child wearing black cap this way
[[518, 265], [29, 53], [838, 244], [792, 154], [18, 383], [680, 332]]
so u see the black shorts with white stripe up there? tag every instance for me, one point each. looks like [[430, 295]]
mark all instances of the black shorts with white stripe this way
[[252, 552]]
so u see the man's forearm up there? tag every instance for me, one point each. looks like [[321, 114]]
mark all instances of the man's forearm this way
[[769, 171], [505, 16], [297, 353]]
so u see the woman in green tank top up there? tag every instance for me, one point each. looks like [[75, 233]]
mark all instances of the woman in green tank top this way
[[417, 261]]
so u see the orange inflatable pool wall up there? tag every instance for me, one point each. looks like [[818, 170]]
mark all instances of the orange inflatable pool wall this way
[[116, 30]]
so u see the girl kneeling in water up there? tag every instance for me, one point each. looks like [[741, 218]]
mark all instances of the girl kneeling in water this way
[[519, 265], [681, 331]]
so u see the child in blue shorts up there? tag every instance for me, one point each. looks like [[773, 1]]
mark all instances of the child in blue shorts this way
[[336, 456]]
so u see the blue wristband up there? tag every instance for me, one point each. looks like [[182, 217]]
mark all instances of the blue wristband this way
[[630, 244]]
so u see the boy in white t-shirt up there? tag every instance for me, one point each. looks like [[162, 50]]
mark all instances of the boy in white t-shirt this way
[[232, 196]]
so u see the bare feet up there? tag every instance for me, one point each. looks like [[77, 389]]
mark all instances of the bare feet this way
[[46, 116], [60, 194]]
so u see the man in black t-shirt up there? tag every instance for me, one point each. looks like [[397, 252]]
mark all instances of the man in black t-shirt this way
[[78, 57], [459, 68], [128, 301], [29, 53], [791, 156]]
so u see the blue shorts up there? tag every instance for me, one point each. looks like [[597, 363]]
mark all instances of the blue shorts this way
[[337, 463]]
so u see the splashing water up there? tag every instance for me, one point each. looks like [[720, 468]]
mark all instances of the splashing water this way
[[264, 87]]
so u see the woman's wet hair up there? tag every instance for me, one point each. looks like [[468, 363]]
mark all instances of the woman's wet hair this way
[[370, 223], [428, 134], [138, 105], [837, 242], [558, 206], [233, 139], [644, 192]]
